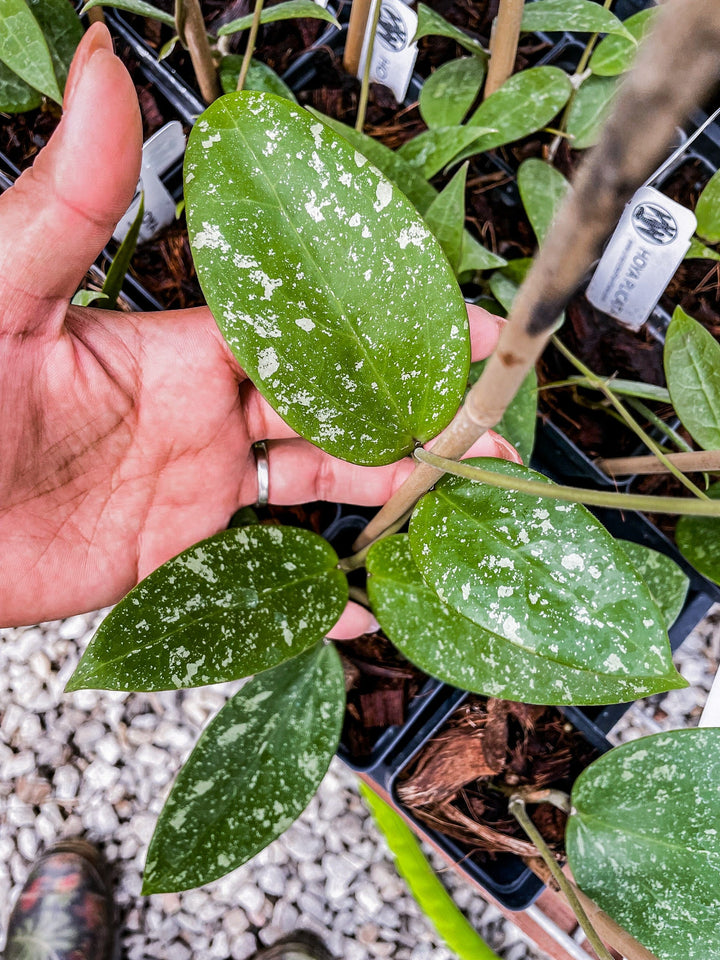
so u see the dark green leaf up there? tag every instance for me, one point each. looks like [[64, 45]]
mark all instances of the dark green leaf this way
[[518, 421], [432, 24], [614, 54], [707, 210], [452, 648], [643, 840], [547, 577], [698, 539], [698, 251], [139, 7], [238, 603], [259, 77], [448, 94], [576, 16], [291, 10], [692, 372], [589, 110], [542, 190], [252, 773], [290, 227], [431, 150], [62, 30], [424, 883], [667, 583], [446, 217], [24, 50], [121, 261]]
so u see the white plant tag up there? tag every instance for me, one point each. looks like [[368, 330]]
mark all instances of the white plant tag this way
[[649, 243], [159, 153], [393, 56]]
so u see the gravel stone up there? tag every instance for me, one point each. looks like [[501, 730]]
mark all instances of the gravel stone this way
[[271, 880]]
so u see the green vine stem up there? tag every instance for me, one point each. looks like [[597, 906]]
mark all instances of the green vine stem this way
[[517, 809], [359, 596], [193, 35], [250, 48], [365, 85], [558, 798], [592, 498], [672, 435], [357, 560]]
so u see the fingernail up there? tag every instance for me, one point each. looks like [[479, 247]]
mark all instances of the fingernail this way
[[373, 626], [506, 450], [96, 38]]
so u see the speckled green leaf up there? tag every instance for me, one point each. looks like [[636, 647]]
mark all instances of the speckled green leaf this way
[[139, 7], [452, 648], [544, 575], [24, 50], [667, 583], [290, 228], [707, 210], [542, 189], [16, 96], [575, 16], [290, 10], [698, 539], [518, 421], [259, 77], [432, 24], [450, 91], [238, 603], [644, 840], [589, 110], [692, 371], [252, 773], [614, 55], [446, 217]]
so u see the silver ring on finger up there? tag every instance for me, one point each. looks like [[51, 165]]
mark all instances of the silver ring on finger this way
[[260, 451]]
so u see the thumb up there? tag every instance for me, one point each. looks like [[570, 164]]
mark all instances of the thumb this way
[[61, 212]]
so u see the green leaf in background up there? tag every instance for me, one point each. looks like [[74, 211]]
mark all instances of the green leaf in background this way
[[518, 421], [698, 540], [24, 50], [707, 210], [575, 16], [643, 840], [450, 91], [542, 189], [292, 10], [425, 885], [238, 603], [692, 371], [259, 77], [667, 583], [446, 217], [698, 251], [62, 30], [614, 54], [452, 648], [252, 773], [432, 24], [545, 576], [16, 96], [504, 283], [474, 256], [139, 7], [86, 298], [290, 227], [121, 261], [588, 111], [431, 150]]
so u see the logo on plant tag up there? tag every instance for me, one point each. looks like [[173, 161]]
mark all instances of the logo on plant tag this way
[[654, 223], [391, 31]]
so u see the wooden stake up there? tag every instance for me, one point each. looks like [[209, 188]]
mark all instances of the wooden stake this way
[[650, 105], [359, 14], [503, 44], [696, 461], [192, 32]]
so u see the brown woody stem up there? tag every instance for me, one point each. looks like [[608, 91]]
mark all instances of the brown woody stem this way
[[503, 44], [192, 33], [649, 107], [365, 84], [359, 13], [697, 461]]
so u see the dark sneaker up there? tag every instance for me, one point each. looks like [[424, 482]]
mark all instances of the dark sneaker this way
[[302, 945], [65, 910]]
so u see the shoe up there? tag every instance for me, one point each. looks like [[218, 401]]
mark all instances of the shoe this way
[[301, 945], [65, 910]]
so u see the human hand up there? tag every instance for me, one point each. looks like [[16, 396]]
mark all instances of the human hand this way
[[127, 437]]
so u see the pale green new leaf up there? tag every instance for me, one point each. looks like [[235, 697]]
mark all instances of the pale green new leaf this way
[[542, 190], [432, 24], [546, 577], [252, 773], [575, 16], [431, 150], [454, 649], [614, 54], [259, 77], [698, 540], [238, 603], [698, 251], [425, 885], [446, 217], [588, 111], [290, 227], [24, 50], [707, 210], [16, 96], [692, 371], [475, 256], [85, 298], [518, 421], [643, 840], [450, 91], [291, 10], [138, 7], [667, 583]]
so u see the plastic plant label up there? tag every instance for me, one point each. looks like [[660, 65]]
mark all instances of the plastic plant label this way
[[648, 245], [159, 153], [393, 55]]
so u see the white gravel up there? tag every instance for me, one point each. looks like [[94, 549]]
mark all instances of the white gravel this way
[[100, 765]]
